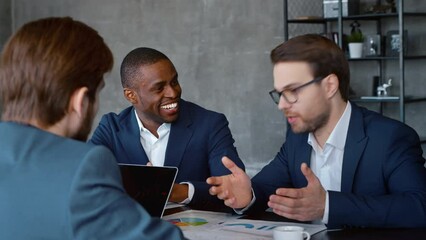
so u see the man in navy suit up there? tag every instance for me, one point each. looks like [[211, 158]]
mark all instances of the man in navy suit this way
[[340, 164], [53, 185], [162, 129]]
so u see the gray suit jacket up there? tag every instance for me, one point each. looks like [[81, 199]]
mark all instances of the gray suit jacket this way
[[57, 188]]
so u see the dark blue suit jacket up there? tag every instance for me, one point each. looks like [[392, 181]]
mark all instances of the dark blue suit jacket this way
[[198, 140], [383, 177]]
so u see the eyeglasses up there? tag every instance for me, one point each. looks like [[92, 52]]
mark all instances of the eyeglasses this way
[[290, 95]]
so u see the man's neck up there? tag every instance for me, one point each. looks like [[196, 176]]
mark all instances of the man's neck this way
[[322, 134], [151, 126]]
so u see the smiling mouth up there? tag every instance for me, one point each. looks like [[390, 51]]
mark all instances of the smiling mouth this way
[[169, 106]]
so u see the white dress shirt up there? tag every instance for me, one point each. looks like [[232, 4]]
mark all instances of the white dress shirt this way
[[155, 148], [327, 162]]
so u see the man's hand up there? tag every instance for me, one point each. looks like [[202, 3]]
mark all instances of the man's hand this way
[[304, 204], [234, 189], [179, 193]]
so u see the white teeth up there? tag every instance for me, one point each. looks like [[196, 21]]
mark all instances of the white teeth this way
[[169, 106]]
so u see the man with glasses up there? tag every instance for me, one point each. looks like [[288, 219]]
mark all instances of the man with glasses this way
[[341, 164]]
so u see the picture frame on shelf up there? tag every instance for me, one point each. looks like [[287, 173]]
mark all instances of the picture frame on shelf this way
[[393, 42], [372, 45]]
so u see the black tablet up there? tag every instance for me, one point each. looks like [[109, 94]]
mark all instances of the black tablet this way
[[150, 186]]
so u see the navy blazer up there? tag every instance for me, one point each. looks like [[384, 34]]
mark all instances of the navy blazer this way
[[53, 187], [383, 175], [198, 139]]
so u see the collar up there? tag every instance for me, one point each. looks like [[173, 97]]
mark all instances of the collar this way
[[163, 127]]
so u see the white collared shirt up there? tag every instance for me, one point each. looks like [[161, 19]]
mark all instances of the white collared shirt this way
[[327, 162], [155, 149]]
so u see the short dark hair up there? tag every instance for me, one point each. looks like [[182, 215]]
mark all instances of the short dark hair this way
[[42, 65], [134, 60], [322, 54]]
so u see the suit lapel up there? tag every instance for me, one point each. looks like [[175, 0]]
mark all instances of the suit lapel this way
[[180, 134], [130, 140], [354, 148], [302, 155]]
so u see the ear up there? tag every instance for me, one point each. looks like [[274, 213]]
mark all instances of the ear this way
[[332, 85], [79, 102], [130, 95]]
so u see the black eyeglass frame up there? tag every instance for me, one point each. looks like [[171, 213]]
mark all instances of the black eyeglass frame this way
[[274, 93]]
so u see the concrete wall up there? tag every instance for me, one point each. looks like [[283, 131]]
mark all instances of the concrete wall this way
[[5, 21], [220, 49]]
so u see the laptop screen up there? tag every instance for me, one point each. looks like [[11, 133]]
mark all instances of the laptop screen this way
[[150, 186]]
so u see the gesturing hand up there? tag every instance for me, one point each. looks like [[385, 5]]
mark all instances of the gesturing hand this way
[[304, 204], [234, 189]]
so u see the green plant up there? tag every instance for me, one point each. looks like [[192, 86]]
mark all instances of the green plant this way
[[356, 33], [356, 36]]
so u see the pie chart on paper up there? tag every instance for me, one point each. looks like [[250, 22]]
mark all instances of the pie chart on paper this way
[[185, 222]]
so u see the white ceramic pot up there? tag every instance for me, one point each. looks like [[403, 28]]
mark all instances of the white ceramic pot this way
[[355, 50]]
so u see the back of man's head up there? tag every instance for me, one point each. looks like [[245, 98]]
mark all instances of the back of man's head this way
[[44, 62]]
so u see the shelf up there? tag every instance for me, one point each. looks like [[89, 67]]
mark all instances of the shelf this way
[[408, 99], [415, 57], [375, 58], [370, 16], [309, 20], [377, 16], [375, 99], [414, 99]]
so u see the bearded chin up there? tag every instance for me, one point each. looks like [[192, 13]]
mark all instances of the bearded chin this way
[[312, 125]]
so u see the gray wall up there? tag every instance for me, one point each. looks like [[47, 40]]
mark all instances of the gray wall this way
[[220, 49], [5, 20], [5, 23]]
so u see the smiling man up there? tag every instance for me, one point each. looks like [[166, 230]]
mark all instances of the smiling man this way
[[340, 164], [162, 129]]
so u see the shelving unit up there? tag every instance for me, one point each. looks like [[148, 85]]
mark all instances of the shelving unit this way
[[336, 24]]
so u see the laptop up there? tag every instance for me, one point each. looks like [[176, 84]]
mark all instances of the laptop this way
[[150, 186]]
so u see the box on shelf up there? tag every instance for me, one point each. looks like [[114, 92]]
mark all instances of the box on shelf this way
[[331, 8]]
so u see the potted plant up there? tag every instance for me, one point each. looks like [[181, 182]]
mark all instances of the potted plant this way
[[355, 41]]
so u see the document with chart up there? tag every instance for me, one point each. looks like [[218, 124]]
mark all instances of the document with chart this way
[[204, 225]]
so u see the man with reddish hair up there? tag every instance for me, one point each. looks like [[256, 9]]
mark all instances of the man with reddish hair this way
[[52, 184]]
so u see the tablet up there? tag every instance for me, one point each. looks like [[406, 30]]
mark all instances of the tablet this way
[[149, 185]]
